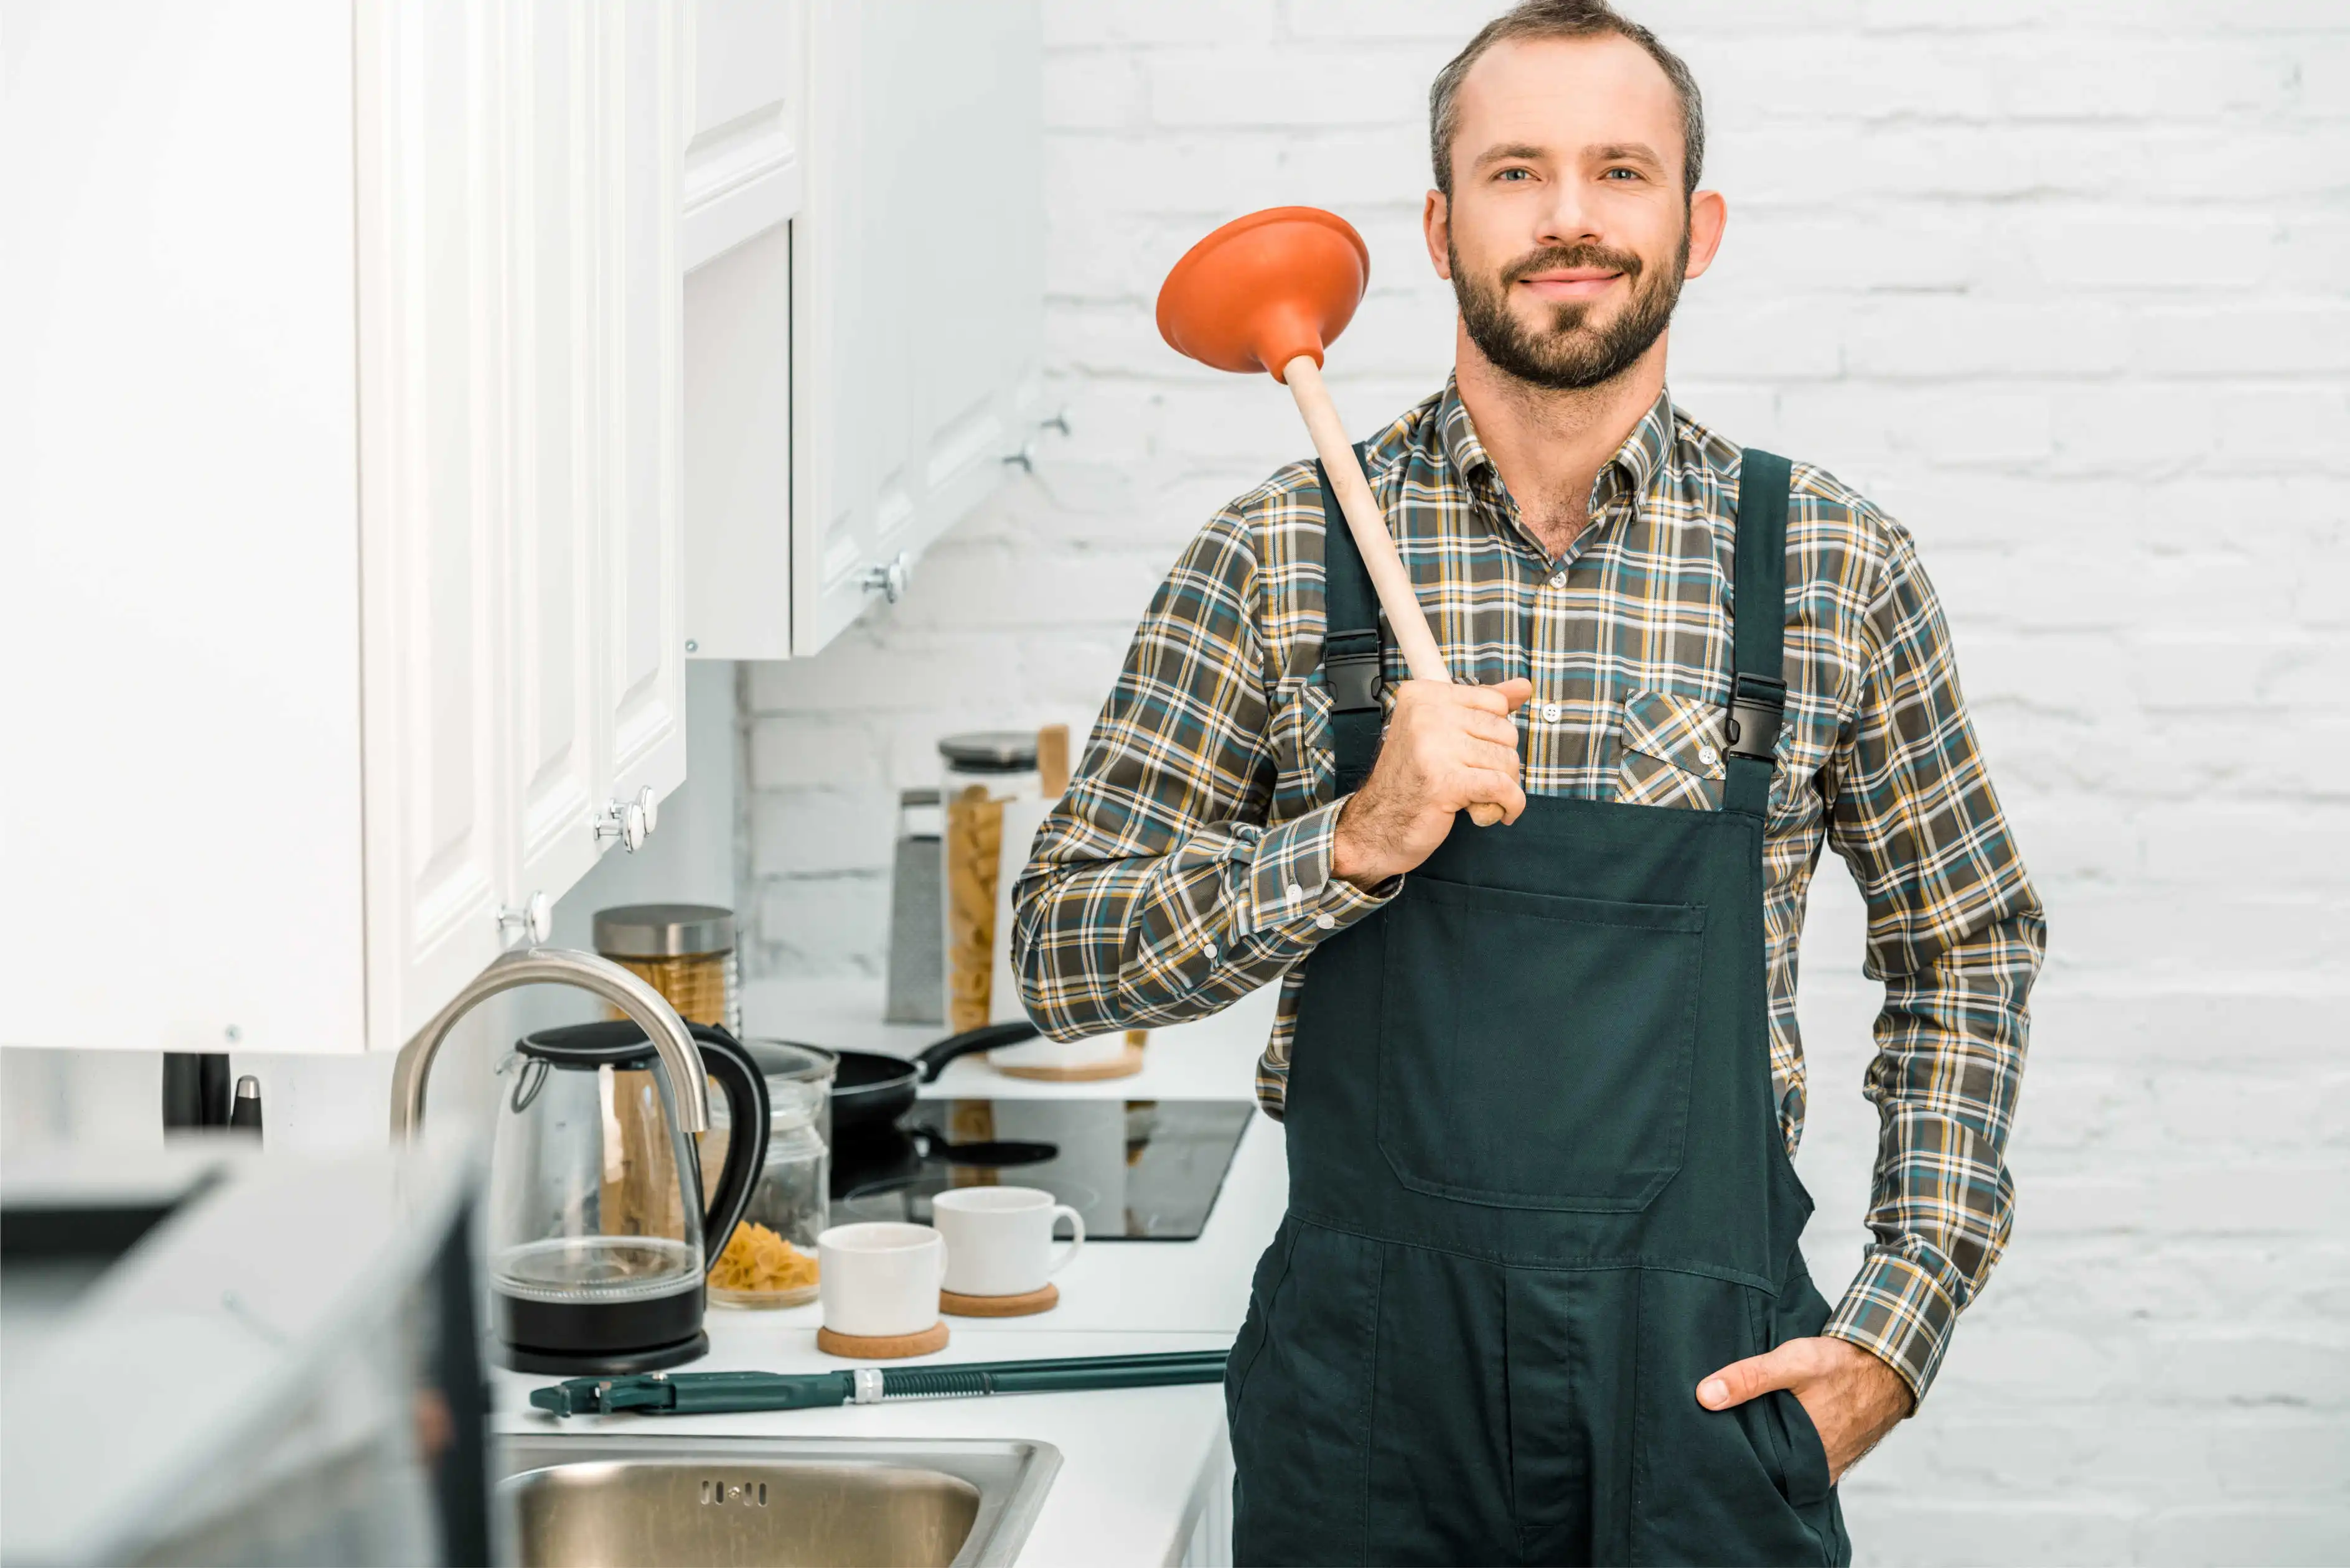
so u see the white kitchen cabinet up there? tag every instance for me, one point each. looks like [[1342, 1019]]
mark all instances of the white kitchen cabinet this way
[[343, 354], [831, 437]]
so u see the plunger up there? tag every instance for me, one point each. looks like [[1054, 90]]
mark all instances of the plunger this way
[[1269, 291]]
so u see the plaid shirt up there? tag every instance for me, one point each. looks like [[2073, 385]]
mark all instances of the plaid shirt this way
[[1190, 862]]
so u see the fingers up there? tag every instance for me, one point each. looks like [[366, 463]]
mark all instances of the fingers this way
[[1494, 787], [1757, 1375], [1500, 699], [1493, 728]]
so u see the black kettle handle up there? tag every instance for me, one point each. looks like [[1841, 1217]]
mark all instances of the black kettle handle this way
[[986, 1037], [746, 1135]]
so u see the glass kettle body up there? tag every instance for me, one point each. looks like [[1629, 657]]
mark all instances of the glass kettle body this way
[[598, 1239]]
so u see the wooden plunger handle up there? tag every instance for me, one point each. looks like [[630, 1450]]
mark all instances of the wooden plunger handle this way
[[1393, 584]]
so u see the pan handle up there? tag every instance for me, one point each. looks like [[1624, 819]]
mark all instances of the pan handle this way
[[987, 1037]]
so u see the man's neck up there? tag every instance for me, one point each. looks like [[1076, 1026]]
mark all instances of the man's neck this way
[[1548, 446]]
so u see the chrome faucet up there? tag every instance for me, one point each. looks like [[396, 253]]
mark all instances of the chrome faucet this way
[[644, 1006]]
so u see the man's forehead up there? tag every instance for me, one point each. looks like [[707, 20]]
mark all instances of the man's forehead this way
[[1567, 96]]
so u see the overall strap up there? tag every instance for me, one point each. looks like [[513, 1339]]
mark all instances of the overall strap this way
[[1350, 644], [1759, 691]]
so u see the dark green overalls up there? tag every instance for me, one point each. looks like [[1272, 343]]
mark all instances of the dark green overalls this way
[[1537, 1187]]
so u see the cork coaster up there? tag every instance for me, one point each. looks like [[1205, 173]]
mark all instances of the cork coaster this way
[[1044, 1299], [1124, 1066], [882, 1346]]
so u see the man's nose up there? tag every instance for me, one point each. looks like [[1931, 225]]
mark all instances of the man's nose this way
[[1568, 218]]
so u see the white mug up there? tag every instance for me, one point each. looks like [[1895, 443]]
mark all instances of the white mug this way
[[999, 1238], [879, 1278]]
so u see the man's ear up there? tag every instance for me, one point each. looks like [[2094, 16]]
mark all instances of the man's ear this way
[[1436, 228], [1708, 214]]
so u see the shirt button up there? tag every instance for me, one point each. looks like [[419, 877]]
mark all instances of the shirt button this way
[[1327, 923], [1294, 892], [1551, 712], [1210, 949], [1559, 580], [1707, 754]]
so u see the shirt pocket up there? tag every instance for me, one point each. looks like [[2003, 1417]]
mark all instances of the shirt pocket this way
[[1672, 753]]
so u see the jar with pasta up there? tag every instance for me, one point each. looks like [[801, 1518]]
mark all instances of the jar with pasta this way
[[979, 773], [770, 1260]]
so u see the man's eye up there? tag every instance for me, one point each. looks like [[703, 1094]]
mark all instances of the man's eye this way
[[1515, 174], [1627, 173]]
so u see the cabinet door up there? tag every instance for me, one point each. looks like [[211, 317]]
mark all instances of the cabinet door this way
[[640, 53], [519, 329], [433, 438], [179, 534], [743, 187], [561, 766], [592, 333], [918, 284], [742, 151]]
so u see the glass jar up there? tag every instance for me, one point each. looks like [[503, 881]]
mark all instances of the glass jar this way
[[685, 951], [979, 774], [770, 1260]]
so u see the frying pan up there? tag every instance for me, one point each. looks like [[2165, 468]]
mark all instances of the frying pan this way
[[870, 1089]]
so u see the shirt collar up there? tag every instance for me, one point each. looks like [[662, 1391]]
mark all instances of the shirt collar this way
[[1638, 460]]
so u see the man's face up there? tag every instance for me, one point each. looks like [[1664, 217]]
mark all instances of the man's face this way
[[1568, 234]]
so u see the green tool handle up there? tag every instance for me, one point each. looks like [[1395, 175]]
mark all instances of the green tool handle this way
[[714, 1393], [1056, 1376]]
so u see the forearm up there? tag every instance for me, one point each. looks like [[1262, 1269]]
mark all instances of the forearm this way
[[1107, 940], [1951, 1043]]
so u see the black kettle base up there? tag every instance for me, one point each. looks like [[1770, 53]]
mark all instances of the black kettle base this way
[[616, 1364]]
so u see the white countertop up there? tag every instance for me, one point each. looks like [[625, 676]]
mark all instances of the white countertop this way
[[1137, 1466]]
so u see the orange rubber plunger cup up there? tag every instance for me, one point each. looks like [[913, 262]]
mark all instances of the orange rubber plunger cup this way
[[1264, 289]]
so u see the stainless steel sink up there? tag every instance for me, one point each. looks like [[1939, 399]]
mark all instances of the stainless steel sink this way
[[606, 1501]]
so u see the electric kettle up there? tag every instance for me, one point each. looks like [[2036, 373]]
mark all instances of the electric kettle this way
[[599, 1237]]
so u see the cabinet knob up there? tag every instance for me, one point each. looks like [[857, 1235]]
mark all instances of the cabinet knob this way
[[889, 580], [649, 804], [533, 920], [1024, 460], [628, 821]]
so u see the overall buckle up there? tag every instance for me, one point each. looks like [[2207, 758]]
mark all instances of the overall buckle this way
[[1758, 704], [1351, 665]]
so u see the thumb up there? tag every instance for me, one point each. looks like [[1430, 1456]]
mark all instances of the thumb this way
[[1743, 1380], [1514, 692]]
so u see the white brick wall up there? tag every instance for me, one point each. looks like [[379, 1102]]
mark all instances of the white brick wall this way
[[2067, 287]]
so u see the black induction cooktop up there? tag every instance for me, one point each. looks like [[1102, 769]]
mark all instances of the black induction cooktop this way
[[1139, 1170]]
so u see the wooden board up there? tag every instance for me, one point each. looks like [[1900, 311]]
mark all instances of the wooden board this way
[[1125, 1065], [883, 1346], [1044, 1299]]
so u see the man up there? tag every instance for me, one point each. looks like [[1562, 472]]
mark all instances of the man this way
[[1538, 1295]]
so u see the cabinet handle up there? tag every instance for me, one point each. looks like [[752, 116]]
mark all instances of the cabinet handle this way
[[629, 821], [1024, 459], [889, 580], [534, 920]]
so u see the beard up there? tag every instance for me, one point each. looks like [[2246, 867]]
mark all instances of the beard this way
[[1568, 352]]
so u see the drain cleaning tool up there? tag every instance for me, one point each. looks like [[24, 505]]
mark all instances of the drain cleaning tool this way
[[712, 1392], [1269, 291]]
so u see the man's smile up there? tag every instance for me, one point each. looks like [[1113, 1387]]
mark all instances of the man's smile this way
[[1564, 286]]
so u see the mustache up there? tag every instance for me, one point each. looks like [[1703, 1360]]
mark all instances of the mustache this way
[[1563, 256]]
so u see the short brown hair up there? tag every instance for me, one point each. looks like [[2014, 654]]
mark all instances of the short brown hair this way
[[1561, 19]]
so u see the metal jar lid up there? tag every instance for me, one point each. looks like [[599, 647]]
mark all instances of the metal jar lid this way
[[991, 751], [664, 931]]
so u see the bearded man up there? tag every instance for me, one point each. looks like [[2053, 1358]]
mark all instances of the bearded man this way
[[1538, 1296]]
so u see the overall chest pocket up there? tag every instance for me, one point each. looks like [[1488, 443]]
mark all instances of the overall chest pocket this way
[[1534, 1051], [1672, 753]]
